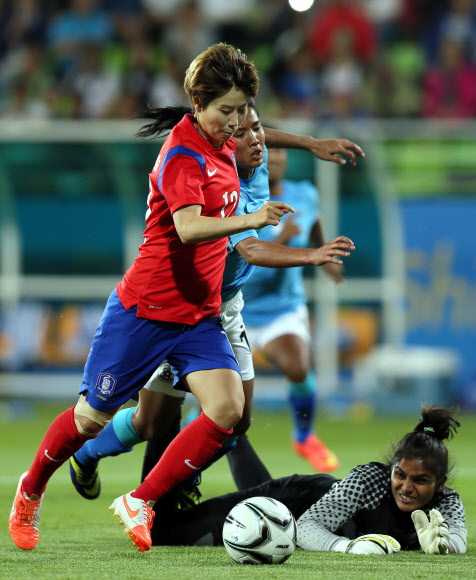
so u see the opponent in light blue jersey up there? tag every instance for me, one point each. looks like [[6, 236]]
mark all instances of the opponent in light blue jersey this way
[[254, 192], [275, 311], [272, 291]]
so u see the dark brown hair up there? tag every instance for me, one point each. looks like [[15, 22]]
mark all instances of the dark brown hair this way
[[425, 442], [210, 75]]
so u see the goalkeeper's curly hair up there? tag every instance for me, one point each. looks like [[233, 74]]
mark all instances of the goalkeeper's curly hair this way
[[426, 441]]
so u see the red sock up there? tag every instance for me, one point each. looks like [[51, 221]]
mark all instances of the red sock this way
[[60, 442], [191, 449]]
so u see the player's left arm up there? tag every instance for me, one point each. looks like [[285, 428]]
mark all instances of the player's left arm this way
[[325, 149], [452, 509], [363, 487]]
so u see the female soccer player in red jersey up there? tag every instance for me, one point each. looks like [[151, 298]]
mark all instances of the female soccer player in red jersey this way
[[168, 303]]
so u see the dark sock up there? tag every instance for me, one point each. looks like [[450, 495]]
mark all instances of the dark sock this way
[[156, 447], [246, 467]]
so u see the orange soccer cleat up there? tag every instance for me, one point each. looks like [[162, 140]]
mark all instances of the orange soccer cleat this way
[[24, 522], [137, 516], [318, 455]]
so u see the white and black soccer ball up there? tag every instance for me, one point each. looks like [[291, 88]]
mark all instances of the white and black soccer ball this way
[[260, 530]]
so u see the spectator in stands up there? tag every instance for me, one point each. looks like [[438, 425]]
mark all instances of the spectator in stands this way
[[166, 87], [25, 83], [84, 24], [342, 77], [392, 86], [20, 22], [384, 14], [188, 32], [458, 22], [296, 81], [135, 61], [94, 85], [450, 85], [338, 16]]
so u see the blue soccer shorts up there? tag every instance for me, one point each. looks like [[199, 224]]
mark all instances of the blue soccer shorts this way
[[126, 350]]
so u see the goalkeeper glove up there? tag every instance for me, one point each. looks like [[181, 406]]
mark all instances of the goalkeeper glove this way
[[433, 535], [370, 544]]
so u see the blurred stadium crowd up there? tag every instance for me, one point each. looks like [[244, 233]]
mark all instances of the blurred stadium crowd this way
[[341, 58]]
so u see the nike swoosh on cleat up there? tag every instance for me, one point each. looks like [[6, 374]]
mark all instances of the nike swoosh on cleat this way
[[188, 462], [50, 458], [211, 173], [132, 513]]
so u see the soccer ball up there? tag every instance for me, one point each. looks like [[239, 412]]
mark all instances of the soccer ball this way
[[260, 530]]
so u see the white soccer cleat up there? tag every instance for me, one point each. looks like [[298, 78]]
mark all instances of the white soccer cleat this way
[[137, 516]]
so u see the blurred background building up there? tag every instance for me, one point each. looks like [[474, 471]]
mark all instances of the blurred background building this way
[[396, 76]]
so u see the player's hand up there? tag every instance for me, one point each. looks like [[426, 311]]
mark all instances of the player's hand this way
[[433, 534], [270, 214], [327, 253], [330, 149], [373, 544]]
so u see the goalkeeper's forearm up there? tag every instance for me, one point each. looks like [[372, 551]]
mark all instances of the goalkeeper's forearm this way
[[316, 538]]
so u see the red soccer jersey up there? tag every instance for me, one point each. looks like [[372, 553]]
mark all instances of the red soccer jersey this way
[[170, 280]]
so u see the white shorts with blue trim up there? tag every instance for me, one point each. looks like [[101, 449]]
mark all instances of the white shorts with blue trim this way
[[294, 322]]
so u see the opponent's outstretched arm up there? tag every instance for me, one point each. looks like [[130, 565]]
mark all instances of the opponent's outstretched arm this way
[[271, 255], [325, 149]]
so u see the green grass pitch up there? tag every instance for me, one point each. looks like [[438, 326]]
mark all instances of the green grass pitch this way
[[80, 539]]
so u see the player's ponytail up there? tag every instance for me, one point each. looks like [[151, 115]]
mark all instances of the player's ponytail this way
[[426, 441], [437, 422], [163, 120]]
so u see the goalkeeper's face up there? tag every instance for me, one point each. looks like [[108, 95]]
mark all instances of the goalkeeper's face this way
[[413, 485]]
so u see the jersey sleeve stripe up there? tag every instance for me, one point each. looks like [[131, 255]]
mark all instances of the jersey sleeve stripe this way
[[180, 150]]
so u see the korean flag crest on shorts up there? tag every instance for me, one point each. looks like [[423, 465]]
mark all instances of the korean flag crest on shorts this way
[[105, 385]]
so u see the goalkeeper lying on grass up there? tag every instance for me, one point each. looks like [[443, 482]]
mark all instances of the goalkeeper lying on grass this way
[[379, 508]]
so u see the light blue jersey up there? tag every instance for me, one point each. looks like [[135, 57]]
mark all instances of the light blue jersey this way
[[270, 292], [254, 193]]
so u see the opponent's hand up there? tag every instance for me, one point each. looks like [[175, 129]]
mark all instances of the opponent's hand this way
[[270, 214], [329, 253], [373, 544], [433, 534], [330, 149]]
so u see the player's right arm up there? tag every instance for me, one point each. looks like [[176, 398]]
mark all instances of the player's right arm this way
[[365, 484], [192, 227], [180, 181]]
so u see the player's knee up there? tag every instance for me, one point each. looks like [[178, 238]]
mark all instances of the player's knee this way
[[296, 373], [90, 421], [228, 413], [148, 431], [233, 412]]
